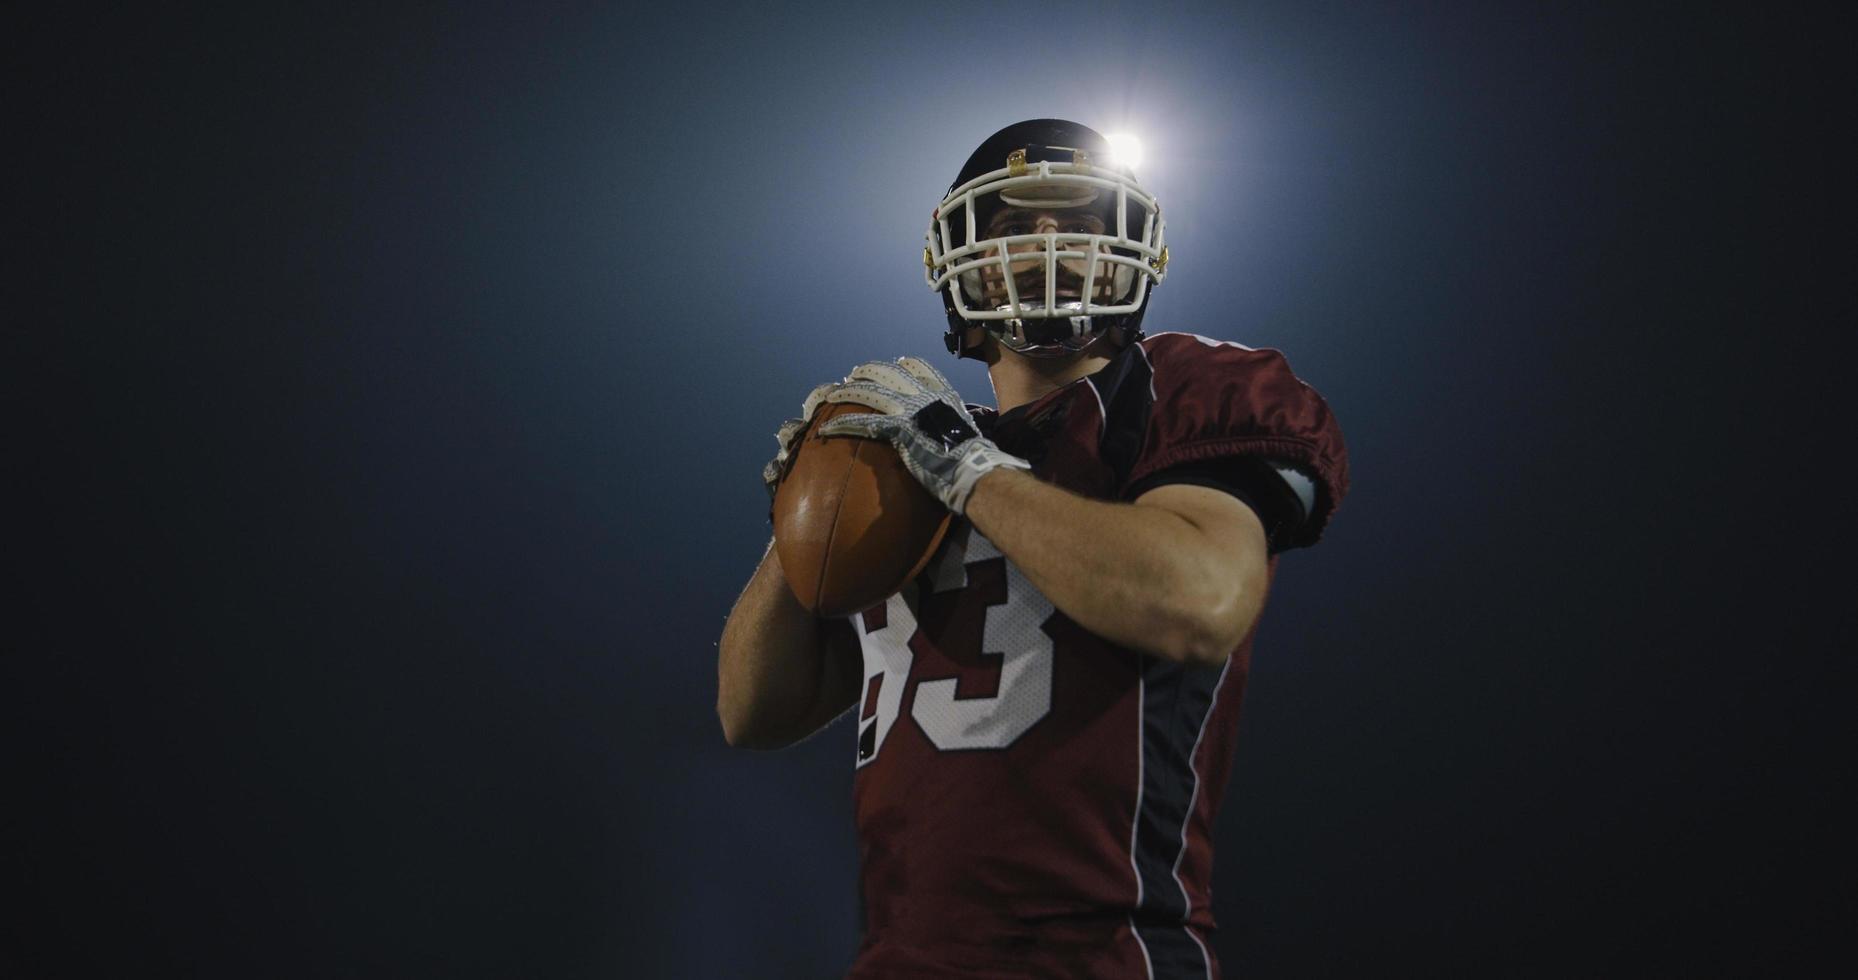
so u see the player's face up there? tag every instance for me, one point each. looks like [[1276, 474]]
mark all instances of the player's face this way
[[1029, 274]]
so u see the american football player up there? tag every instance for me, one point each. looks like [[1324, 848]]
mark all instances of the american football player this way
[[1046, 714]]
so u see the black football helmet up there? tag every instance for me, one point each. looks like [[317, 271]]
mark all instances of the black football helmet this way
[[1046, 241]]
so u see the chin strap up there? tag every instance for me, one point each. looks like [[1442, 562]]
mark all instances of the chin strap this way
[[952, 338], [1123, 334]]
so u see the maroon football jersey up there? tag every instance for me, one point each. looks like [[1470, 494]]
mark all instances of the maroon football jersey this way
[[1033, 800]]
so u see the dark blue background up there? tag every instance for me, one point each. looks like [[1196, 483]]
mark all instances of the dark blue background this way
[[393, 386]]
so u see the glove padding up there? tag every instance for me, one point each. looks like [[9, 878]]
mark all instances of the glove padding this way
[[926, 420]]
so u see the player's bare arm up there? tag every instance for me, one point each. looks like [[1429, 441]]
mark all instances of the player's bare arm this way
[[782, 671], [1178, 574], [782, 674]]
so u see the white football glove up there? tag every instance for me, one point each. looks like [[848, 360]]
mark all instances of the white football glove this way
[[925, 419]]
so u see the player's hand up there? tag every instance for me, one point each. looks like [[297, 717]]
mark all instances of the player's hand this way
[[925, 419], [789, 438]]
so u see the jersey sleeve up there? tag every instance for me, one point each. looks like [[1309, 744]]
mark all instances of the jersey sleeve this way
[[1217, 402], [1280, 493]]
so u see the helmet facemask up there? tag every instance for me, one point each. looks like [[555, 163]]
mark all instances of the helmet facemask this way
[[1040, 254]]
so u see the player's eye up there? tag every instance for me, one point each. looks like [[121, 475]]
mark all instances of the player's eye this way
[[1015, 228]]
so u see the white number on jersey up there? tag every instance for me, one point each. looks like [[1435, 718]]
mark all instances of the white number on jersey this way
[[1014, 631]]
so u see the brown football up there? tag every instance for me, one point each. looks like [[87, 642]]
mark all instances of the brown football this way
[[851, 525]]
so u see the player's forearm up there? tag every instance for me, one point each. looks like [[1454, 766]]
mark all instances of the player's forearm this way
[[1137, 576], [769, 662]]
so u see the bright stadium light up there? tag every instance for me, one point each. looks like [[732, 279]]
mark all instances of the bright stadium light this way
[[1125, 150]]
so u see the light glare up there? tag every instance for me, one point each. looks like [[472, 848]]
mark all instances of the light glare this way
[[1125, 150]]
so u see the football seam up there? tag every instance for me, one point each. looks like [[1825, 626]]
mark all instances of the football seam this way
[[838, 508]]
